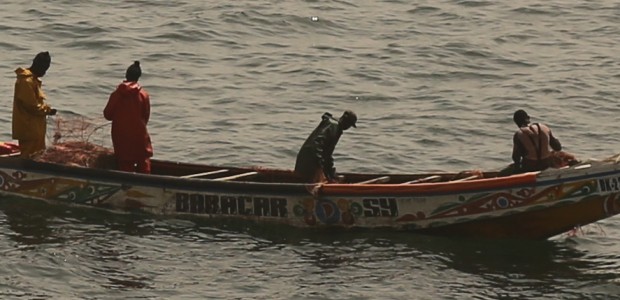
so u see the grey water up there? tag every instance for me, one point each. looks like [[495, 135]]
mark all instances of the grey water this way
[[434, 84]]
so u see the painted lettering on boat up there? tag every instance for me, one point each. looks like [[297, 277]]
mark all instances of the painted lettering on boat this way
[[611, 184], [380, 207], [231, 205]]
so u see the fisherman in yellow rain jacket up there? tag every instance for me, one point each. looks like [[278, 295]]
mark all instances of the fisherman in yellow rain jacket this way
[[29, 108]]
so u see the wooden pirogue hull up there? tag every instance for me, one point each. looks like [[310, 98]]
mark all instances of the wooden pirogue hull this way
[[532, 206]]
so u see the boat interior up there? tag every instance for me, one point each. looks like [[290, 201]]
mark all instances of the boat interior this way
[[256, 174], [192, 171], [266, 175]]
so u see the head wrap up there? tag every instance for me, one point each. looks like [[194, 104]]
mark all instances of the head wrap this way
[[133, 72]]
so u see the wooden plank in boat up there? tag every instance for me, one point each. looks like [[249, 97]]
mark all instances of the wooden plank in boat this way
[[425, 179], [205, 173], [583, 166], [467, 178], [248, 174], [382, 179]]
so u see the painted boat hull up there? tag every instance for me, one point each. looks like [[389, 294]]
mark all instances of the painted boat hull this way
[[535, 205]]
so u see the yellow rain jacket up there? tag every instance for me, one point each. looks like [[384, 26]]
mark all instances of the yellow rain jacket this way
[[29, 109]]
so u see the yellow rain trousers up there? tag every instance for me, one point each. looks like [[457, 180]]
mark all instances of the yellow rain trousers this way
[[29, 113]]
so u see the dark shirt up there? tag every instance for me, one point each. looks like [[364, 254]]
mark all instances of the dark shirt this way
[[317, 151]]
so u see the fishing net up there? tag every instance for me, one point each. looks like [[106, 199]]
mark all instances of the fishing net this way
[[79, 141]]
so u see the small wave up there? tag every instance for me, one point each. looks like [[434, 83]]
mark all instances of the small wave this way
[[514, 62], [537, 11], [514, 38], [43, 14], [98, 45], [471, 3], [80, 30], [423, 10], [11, 47], [331, 49], [183, 35]]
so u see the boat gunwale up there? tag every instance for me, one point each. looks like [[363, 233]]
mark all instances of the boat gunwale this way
[[151, 180], [530, 179], [481, 185]]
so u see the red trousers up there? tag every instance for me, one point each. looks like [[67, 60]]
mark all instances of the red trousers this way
[[141, 166]]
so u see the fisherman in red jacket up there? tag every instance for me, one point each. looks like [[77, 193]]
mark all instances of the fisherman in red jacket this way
[[129, 110]]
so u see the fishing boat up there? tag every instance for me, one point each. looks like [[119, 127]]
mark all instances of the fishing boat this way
[[534, 205]]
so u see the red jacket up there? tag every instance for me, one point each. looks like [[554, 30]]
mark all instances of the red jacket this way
[[129, 109]]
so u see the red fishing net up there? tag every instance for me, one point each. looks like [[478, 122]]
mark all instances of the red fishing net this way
[[79, 141]]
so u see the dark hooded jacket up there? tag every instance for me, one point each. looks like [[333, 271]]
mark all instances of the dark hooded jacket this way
[[129, 110], [317, 151]]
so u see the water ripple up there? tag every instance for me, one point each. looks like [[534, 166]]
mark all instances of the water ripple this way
[[243, 83]]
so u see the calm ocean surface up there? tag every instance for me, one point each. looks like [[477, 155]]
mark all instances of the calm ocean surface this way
[[434, 84]]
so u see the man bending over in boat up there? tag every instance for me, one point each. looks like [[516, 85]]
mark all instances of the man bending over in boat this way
[[533, 145], [129, 109], [29, 108], [314, 160]]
